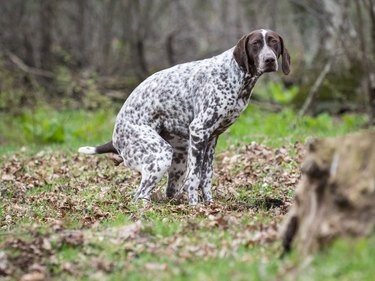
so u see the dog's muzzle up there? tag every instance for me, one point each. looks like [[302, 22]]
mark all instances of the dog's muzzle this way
[[270, 64]]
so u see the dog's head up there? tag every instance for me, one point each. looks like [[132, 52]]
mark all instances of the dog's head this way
[[258, 51]]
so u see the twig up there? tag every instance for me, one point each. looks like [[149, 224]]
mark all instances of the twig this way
[[314, 89], [28, 69]]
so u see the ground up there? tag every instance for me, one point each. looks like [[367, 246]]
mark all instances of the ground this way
[[65, 216]]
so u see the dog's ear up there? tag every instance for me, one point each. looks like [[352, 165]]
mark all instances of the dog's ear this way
[[285, 61], [242, 55]]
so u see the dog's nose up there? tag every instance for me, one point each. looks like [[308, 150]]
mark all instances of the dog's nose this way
[[270, 60]]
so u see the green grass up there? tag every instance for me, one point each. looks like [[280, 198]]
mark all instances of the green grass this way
[[46, 128], [57, 192], [345, 260], [280, 129]]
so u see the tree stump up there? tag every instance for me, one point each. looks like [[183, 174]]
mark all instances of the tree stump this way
[[336, 194]]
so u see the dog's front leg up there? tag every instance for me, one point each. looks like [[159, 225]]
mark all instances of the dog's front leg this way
[[199, 138], [208, 170]]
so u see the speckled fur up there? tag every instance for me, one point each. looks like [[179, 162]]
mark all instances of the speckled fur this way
[[172, 120]]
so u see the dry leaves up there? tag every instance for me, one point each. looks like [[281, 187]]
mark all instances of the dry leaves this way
[[69, 197]]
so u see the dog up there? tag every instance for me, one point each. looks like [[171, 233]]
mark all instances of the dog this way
[[172, 120]]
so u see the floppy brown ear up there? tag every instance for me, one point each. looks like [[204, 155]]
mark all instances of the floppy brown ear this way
[[242, 55], [285, 61]]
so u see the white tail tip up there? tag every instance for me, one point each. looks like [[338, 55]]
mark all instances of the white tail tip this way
[[87, 150]]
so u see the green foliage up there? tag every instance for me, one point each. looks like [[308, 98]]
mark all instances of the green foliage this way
[[38, 129], [17, 89], [275, 92], [80, 90], [44, 126], [69, 89], [281, 128]]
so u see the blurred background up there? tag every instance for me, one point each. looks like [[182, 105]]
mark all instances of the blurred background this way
[[74, 62]]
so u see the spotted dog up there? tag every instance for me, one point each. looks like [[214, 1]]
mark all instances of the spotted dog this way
[[172, 120]]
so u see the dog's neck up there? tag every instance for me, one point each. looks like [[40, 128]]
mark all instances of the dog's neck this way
[[248, 84], [244, 81]]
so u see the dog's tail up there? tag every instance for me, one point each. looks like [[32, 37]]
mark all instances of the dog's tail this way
[[100, 149]]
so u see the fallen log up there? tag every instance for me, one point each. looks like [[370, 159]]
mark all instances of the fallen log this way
[[336, 194]]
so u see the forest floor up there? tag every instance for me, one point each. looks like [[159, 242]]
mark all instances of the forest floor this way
[[65, 216]]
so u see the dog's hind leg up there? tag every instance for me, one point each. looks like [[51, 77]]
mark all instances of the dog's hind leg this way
[[146, 151], [177, 171]]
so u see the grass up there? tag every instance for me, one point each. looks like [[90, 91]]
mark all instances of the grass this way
[[43, 128], [73, 217], [58, 130], [286, 127], [345, 260]]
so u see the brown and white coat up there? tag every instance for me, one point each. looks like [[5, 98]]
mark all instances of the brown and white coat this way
[[172, 120]]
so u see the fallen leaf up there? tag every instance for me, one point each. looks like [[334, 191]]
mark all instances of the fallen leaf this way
[[155, 266], [33, 276]]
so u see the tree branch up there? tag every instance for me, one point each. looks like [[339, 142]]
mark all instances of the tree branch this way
[[28, 69], [314, 89]]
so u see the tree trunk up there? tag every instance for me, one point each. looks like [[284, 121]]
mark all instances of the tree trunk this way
[[137, 37], [169, 47], [336, 195], [29, 50], [371, 9], [81, 31], [372, 99], [372, 67], [107, 34], [139, 58], [47, 13], [368, 68]]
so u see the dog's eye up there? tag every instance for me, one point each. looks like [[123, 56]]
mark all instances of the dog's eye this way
[[273, 41], [255, 43]]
